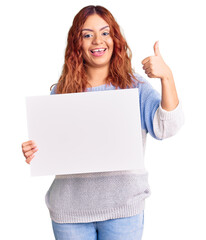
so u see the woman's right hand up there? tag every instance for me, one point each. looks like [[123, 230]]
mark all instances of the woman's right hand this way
[[28, 149]]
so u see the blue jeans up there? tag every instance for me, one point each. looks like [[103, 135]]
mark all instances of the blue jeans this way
[[129, 228]]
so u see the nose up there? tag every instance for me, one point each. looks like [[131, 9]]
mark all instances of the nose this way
[[97, 39]]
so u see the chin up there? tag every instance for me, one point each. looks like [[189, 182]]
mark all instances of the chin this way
[[97, 63]]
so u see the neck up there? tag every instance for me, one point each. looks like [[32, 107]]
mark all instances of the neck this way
[[97, 76]]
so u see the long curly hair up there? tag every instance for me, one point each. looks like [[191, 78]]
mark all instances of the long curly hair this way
[[73, 77]]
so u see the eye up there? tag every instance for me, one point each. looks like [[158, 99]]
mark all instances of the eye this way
[[105, 33], [87, 35]]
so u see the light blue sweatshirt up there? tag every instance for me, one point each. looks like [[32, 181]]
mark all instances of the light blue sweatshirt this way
[[91, 197]]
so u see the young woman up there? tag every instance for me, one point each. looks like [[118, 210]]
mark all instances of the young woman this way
[[108, 205]]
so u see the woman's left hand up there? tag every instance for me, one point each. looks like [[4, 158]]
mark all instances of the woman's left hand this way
[[154, 66]]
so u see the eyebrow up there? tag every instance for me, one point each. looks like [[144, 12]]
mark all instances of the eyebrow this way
[[87, 29]]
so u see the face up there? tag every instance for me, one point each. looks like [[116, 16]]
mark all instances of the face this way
[[97, 46]]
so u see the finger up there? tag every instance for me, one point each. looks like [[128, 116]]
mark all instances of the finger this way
[[30, 153], [30, 142], [151, 75], [145, 60], [146, 65], [156, 49], [28, 148], [28, 160], [148, 70]]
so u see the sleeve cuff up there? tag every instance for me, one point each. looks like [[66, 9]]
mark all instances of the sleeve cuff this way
[[169, 115]]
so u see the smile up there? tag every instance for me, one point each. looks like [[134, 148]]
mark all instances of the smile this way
[[98, 52]]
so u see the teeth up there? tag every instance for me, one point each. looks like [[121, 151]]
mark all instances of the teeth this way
[[98, 50]]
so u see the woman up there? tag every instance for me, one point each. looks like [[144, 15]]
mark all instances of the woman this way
[[108, 205]]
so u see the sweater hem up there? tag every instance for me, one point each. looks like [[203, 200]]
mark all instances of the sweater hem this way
[[84, 216]]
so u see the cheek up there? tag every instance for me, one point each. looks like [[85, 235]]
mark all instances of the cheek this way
[[84, 52], [84, 47], [110, 44]]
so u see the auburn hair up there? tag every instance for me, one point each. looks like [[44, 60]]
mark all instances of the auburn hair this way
[[73, 77]]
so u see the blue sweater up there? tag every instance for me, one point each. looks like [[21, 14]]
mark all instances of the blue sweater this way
[[101, 196]]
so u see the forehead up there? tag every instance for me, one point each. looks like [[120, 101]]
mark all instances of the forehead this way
[[95, 22]]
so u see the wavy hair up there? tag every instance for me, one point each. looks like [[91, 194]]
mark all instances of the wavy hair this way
[[73, 77]]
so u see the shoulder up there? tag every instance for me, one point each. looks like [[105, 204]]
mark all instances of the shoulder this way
[[141, 83], [146, 91]]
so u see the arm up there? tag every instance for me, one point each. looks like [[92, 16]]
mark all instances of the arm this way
[[169, 117], [159, 122], [155, 67], [169, 99]]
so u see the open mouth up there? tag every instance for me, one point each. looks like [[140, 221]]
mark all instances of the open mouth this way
[[100, 50]]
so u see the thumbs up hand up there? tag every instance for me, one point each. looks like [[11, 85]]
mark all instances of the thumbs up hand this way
[[154, 66]]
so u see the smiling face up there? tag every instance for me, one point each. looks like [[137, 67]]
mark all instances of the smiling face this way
[[97, 44]]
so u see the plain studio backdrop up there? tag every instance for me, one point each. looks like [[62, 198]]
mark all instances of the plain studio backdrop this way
[[33, 41]]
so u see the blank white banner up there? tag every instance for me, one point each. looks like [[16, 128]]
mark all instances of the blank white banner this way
[[85, 132]]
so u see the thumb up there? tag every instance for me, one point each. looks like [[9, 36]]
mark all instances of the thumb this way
[[156, 49]]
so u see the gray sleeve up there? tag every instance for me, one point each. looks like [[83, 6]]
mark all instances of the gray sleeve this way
[[167, 123]]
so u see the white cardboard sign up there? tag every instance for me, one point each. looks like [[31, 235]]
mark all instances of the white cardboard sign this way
[[85, 132]]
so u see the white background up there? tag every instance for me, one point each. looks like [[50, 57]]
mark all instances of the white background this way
[[33, 41]]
